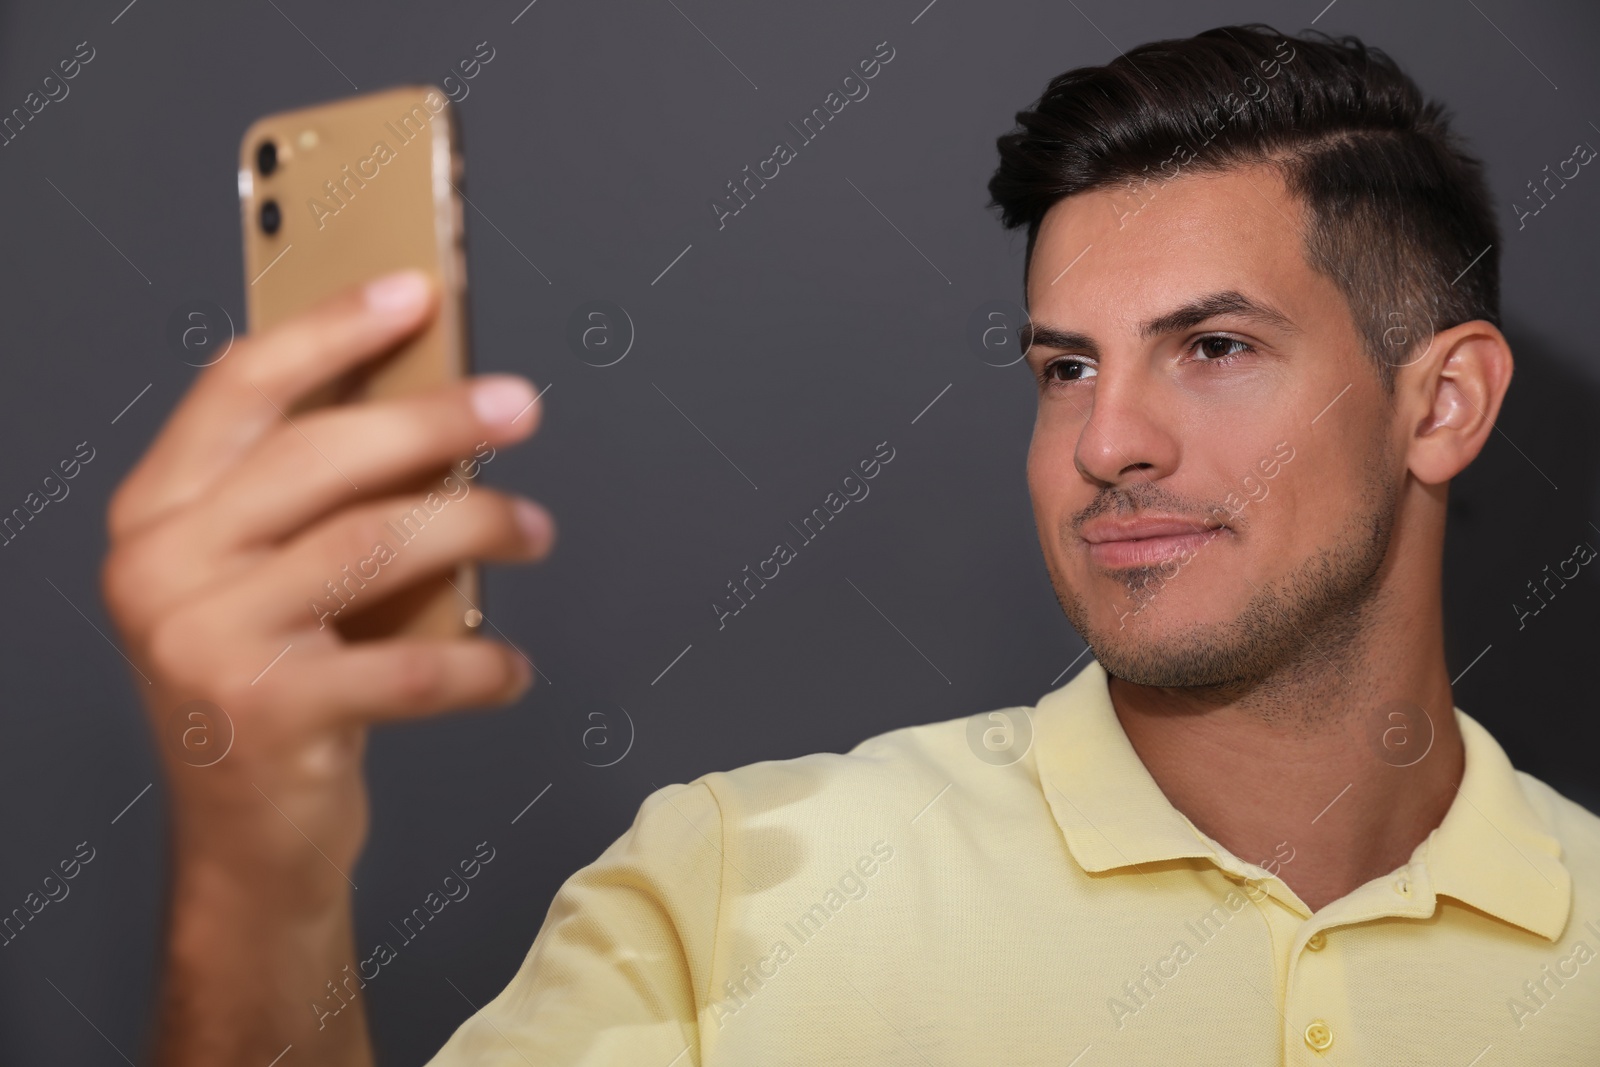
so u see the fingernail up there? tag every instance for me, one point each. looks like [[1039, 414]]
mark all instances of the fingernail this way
[[533, 520], [397, 292], [521, 674], [498, 400]]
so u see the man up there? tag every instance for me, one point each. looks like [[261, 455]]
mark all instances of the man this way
[[1253, 829]]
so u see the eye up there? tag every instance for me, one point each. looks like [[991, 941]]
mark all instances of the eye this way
[[1064, 370], [1216, 348]]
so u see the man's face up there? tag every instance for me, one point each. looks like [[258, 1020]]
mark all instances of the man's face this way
[[1214, 492]]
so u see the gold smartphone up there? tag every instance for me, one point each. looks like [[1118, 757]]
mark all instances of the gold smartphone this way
[[334, 195]]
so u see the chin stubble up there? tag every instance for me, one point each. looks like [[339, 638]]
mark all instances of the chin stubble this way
[[1292, 629]]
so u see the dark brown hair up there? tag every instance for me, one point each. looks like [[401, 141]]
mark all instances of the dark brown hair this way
[[1396, 207]]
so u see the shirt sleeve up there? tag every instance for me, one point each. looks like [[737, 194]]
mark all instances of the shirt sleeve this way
[[619, 971]]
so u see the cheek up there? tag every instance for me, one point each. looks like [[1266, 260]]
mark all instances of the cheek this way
[[1053, 449], [1052, 471], [1057, 491], [1303, 504], [1038, 483]]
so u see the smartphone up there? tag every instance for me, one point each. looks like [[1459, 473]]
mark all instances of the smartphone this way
[[334, 195]]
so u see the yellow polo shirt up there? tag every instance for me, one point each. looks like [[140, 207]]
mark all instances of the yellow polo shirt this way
[[1014, 888]]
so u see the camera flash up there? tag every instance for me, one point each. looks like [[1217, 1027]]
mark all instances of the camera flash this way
[[308, 139]]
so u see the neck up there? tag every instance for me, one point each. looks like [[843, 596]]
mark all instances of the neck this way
[[1329, 772]]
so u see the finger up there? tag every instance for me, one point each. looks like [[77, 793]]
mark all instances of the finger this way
[[354, 560], [237, 400], [298, 474], [401, 678]]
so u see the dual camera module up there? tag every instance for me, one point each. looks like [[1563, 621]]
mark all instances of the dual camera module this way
[[271, 217]]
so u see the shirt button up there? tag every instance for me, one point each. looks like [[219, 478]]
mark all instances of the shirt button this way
[[1403, 887], [1316, 941], [1318, 1036]]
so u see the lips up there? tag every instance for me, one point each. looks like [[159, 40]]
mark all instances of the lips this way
[[1147, 540]]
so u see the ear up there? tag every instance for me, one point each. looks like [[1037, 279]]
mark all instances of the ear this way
[[1453, 397]]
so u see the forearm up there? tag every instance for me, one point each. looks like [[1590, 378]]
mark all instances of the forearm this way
[[248, 971]]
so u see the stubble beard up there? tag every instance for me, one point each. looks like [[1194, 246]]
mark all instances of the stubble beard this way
[[1292, 628]]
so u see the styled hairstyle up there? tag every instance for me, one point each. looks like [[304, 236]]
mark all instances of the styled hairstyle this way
[[1398, 213]]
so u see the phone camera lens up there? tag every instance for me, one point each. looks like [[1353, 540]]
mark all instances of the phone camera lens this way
[[267, 157], [271, 217]]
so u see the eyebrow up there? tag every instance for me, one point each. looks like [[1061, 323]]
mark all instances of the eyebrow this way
[[1183, 317]]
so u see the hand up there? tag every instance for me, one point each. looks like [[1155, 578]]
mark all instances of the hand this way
[[220, 537]]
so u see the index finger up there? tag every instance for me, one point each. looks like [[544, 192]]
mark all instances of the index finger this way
[[234, 402]]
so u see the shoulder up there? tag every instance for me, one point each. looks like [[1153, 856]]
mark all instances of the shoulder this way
[[901, 768], [889, 775], [892, 776], [1573, 825], [889, 758]]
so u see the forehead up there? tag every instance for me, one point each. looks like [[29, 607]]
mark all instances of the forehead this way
[[1111, 257]]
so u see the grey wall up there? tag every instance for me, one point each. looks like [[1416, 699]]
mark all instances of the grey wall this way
[[796, 338]]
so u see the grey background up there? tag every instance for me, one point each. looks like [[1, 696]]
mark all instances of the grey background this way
[[796, 339]]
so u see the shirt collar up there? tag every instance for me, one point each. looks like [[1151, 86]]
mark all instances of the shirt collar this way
[[1492, 851]]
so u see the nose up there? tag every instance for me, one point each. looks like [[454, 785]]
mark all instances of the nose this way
[[1127, 437]]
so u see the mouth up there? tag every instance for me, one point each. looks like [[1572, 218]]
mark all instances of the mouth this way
[[1146, 542]]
